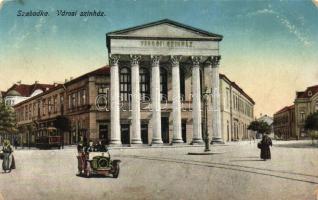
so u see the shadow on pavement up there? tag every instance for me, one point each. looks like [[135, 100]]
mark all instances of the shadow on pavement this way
[[245, 160], [297, 145]]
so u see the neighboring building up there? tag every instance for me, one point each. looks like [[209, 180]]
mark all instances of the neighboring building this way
[[306, 102], [74, 100], [151, 93], [20, 92], [237, 110], [270, 121], [1, 96], [284, 123]]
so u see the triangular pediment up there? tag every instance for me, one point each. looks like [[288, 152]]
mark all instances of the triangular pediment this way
[[165, 29]]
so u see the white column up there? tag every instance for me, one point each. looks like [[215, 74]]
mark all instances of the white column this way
[[135, 100], [216, 113], [196, 101], [176, 102], [115, 107], [156, 100]]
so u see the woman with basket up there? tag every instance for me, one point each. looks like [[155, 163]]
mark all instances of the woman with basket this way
[[7, 155]]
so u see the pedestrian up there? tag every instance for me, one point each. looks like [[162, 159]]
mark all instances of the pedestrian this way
[[15, 143], [90, 147], [264, 146], [8, 159]]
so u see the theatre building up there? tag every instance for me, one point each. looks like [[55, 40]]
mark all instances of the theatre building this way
[[162, 85]]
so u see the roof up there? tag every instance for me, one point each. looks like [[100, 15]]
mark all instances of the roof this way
[[286, 108], [308, 93], [233, 84], [26, 90], [167, 21], [58, 86], [125, 32], [105, 70]]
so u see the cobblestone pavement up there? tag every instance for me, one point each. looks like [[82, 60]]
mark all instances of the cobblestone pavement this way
[[234, 171]]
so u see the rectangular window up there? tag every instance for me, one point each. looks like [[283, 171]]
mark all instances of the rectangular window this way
[[227, 97], [69, 102], [39, 109], [43, 107], [34, 110], [84, 97], [61, 103], [49, 105], [55, 104], [73, 100], [79, 98], [26, 113], [30, 112], [102, 95], [302, 116]]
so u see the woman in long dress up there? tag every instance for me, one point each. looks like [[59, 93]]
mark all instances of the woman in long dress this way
[[265, 149], [8, 160]]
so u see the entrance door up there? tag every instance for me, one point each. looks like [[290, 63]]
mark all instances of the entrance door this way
[[184, 132], [165, 129], [125, 134], [144, 133], [103, 133]]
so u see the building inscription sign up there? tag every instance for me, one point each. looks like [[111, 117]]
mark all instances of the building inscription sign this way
[[164, 47], [165, 43]]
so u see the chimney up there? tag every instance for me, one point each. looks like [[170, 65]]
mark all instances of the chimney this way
[[36, 82], [55, 84], [19, 82], [66, 80]]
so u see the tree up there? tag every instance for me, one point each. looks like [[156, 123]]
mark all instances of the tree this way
[[259, 126], [311, 125], [8, 123]]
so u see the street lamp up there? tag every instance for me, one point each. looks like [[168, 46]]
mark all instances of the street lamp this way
[[206, 94]]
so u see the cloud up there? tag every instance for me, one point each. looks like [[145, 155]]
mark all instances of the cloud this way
[[54, 28], [260, 12], [286, 23], [5, 1], [40, 24], [294, 30], [20, 39]]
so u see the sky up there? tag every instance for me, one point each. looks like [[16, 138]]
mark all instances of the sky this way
[[270, 48]]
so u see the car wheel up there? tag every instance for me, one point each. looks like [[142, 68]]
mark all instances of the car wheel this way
[[117, 169]]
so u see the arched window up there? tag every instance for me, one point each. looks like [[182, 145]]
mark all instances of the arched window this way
[[316, 106], [163, 84], [144, 84], [125, 84]]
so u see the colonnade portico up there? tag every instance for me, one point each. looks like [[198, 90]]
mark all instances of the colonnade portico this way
[[164, 41], [197, 62]]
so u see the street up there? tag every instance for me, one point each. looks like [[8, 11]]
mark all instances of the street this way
[[233, 172]]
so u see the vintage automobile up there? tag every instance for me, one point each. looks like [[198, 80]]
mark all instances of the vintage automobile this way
[[97, 163]]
